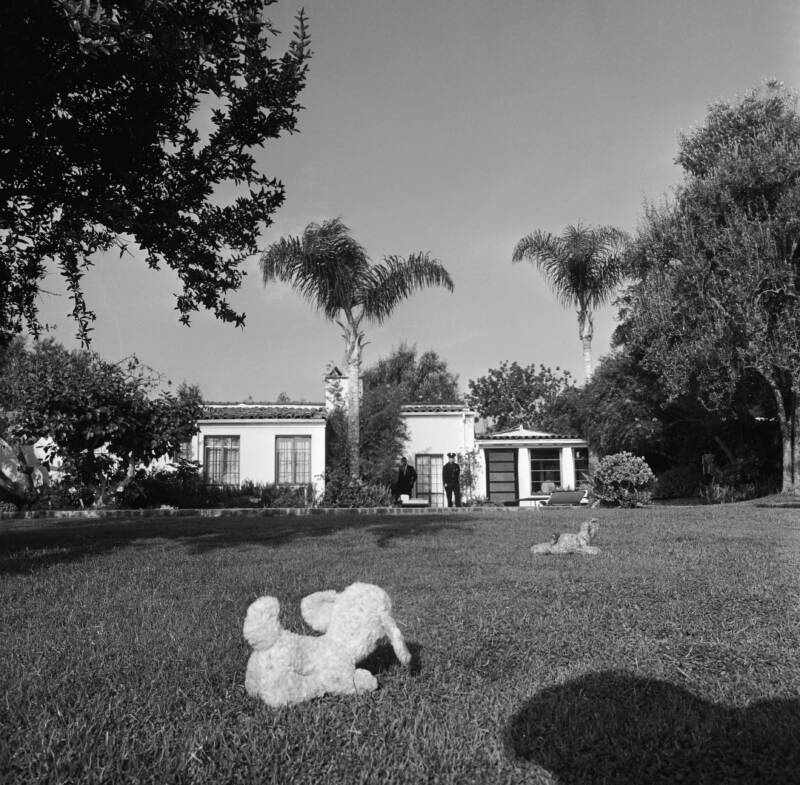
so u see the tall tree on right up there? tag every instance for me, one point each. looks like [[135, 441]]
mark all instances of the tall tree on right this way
[[583, 267], [715, 303]]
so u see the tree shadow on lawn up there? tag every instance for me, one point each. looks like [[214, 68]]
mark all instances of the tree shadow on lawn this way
[[388, 532], [613, 727], [31, 548]]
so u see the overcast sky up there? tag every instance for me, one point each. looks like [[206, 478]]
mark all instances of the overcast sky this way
[[456, 127]]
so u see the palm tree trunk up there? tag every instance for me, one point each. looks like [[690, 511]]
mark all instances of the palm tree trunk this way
[[354, 340], [586, 332]]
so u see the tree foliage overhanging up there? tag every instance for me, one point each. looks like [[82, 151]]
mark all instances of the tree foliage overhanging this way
[[716, 299], [102, 142]]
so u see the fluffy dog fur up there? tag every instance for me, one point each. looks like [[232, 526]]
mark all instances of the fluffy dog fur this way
[[570, 542], [289, 668]]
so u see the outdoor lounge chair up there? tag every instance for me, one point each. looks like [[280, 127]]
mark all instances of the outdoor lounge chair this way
[[549, 499], [564, 498]]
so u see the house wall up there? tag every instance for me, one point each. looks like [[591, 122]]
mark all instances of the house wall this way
[[524, 462], [257, 446], [438, 433]]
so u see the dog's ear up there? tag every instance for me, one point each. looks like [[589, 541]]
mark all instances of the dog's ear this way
[[316, 609]]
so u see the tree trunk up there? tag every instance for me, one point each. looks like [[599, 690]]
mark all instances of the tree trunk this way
[[788, 419], [586, 332], [354, 340], [791, 448]]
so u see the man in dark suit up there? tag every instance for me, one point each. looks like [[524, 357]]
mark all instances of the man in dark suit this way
[[451, 474], [406, 477]]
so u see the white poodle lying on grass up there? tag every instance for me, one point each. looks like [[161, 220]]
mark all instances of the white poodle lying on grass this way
[[570, 542], [289, 668]]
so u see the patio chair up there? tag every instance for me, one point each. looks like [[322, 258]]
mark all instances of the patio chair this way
[[564, 498]]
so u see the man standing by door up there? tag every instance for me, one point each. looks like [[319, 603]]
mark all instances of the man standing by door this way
[[406, 477], [451, 474]]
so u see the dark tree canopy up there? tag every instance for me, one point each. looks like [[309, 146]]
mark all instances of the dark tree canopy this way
[[415, 379], [101, 144], [514, 395], [103, 418], [716, 302]]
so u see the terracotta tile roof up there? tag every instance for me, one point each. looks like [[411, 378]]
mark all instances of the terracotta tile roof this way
[[412, 408], [263, 411], [522, 434]]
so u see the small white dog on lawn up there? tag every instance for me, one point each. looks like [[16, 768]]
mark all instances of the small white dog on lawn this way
[[289, 668], [569, 542]]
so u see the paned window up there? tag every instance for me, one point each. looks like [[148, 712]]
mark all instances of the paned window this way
[[580, 456], [293, 460], [221, 465], [545, 470], [429, 479]]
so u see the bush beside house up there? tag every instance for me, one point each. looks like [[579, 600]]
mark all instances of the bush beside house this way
[[623, 480]]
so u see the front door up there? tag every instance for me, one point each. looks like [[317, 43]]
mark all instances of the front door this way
[[501, 476], [429, 479]]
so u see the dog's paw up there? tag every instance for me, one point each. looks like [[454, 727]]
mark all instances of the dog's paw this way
[[364, 681]]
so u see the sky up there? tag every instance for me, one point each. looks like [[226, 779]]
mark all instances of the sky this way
[[455, 127]]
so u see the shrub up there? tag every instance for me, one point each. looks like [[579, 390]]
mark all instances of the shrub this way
[[342, 490], [622, 480], [745, 478], [182, 486], [724, 493], [284, 495], [65, 494]]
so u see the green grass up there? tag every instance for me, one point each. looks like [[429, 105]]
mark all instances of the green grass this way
[[673, 656]]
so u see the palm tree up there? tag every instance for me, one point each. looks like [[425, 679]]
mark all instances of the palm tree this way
[[333, 272], [583, 267]]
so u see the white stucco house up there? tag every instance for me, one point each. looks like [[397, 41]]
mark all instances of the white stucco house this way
[[284, 444], [266, 443]]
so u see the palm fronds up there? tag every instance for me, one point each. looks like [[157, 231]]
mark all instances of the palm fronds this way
[[326, 265], [333, 272], [583, 265], [393, 281]]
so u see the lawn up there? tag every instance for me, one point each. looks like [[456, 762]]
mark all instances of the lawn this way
[[672, 656]]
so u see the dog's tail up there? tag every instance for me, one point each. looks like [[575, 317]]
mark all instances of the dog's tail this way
[[261, 625]]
